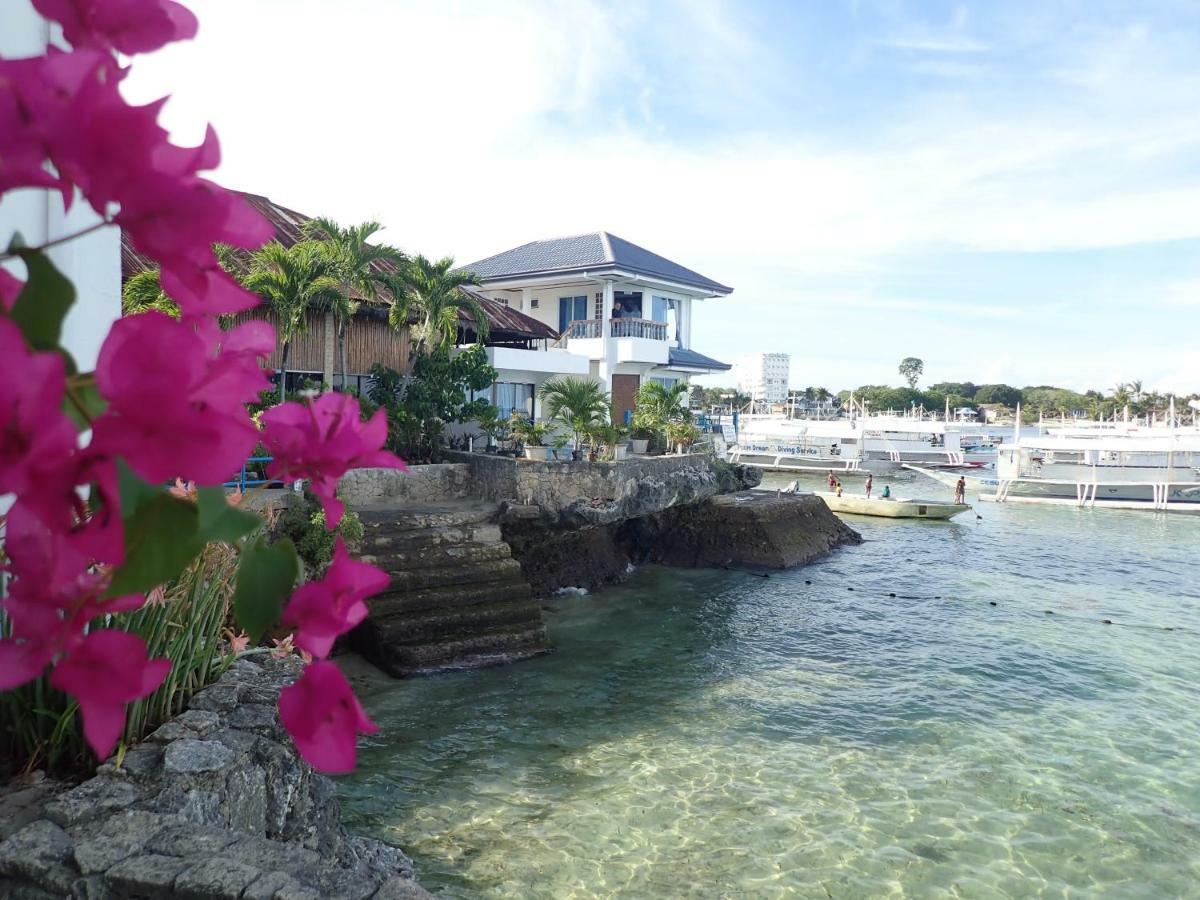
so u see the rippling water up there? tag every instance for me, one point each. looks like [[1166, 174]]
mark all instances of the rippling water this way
[[718, 734]]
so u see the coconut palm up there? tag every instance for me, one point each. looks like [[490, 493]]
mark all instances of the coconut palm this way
[[656, 405], [580, 404], [431, 291], [293, 281], [142, 293], [363, 267]]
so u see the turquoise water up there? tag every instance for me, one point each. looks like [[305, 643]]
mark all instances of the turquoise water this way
[[717, 734]]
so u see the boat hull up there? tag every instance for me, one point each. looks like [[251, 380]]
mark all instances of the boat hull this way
[[900, 508]]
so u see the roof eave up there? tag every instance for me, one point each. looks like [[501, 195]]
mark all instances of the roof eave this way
[[604, 270]]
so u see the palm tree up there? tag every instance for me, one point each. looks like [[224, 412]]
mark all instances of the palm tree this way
[[363, 268], [657, 406], [293, 281], [142, 292], [431, 290], [579, 403]]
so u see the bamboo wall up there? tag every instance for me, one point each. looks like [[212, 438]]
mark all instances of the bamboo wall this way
[[368, 341]]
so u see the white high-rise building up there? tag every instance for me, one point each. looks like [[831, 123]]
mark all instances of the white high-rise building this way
[[763, 376]]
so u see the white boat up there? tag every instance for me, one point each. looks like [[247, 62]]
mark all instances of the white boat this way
[[854, 445], [1156, 469], [891, 508]]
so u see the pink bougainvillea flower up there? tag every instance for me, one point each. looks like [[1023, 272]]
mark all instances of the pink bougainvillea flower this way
[[189, 420], [37, 436], [323, 610], [127, 26], [321, 441], [10, 287], [104, 671], [324, 718]]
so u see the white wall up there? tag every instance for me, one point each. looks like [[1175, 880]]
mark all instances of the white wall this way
[[93, 262]]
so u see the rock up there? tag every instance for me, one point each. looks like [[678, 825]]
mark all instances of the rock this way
[[39, 853], [188, 756], [92, 800], [148, 875], [402, 889], [275, 885], [22, 799], [191, 840], [246, 800], [376, 858], [101, 854], [215, 878]]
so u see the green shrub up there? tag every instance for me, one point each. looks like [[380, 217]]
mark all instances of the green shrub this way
[[304, 523]]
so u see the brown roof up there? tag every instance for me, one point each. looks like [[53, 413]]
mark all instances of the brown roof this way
[[289, 225], [504, 320]]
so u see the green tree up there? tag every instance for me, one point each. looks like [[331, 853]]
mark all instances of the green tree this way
[[1004, 394], [293, 281], [912, 369], [364, 269], [142, 292], [580, 404], [432, 292], [655, 407]]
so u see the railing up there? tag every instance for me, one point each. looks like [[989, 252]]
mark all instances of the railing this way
[[580, 328], [639, 328], [242, 481]]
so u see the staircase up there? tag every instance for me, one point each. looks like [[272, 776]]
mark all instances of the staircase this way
[[457, 599]]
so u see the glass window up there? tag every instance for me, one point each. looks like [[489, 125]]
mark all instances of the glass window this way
[[571, 309], [659, 307], [513, 395], [668, 383]]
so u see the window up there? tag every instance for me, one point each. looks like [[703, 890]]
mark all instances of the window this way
[[511, 395], [658, 309], [533, 304], [668, 383], [571, 309]]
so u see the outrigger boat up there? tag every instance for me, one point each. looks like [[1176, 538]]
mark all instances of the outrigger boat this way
[[892, 507]]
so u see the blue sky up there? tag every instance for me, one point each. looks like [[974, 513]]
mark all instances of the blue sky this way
[[1010, 191]]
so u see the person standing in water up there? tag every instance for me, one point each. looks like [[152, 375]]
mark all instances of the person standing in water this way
[[887, 492], [960, 490], [870, 481], [832, 481]]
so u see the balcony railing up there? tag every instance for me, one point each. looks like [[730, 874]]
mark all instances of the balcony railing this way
[[639, 328], [579, 329]]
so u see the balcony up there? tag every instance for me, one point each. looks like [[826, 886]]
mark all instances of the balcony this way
[[553, 360], [644, 329]]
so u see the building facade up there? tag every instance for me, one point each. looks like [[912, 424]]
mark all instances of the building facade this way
[[763, 377], [623, 314]]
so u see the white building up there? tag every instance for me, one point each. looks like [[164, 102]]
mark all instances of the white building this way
[[763, 376], [623, 314]]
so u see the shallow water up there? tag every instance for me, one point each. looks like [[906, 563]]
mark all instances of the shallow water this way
[[718, 734]]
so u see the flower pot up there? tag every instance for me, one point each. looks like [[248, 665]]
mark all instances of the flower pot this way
[[640, 446], [541, 454], [620, 451]]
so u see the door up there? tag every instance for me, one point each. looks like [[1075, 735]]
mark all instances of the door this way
[[624, 389]]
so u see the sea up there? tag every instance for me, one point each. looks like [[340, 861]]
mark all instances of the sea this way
[[1003, 705]]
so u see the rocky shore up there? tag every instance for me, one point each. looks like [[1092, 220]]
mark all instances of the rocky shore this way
[[214, 804]]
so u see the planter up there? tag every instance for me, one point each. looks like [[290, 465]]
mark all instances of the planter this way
[[639, 446], [541, 454], [620, 452]]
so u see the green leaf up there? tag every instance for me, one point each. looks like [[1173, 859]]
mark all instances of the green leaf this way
[[133, 490], [43, 302], [83, 389], [265, 578], [160, 540], [221, 522]]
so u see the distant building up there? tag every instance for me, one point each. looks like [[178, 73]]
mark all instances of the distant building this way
[[763, 377]]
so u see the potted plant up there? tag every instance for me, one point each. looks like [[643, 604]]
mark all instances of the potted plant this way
[[578, 403], [560, 441], [533, 435], [495, 428], [641, 439], [682, 435], [613, 439]]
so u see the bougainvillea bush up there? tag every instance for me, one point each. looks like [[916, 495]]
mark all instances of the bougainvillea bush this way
[[85, 457]]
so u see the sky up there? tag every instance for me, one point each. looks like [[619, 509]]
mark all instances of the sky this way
[[1009, 191]]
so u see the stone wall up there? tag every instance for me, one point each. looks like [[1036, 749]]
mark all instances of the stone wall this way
[[586, 494], [418, 484], [214, 804]]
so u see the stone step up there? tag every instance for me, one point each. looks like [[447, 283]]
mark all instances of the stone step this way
[[432, 537], [437, 557], [454, 623], [390, 520], [391, 603], [492, 649], [486, 571]]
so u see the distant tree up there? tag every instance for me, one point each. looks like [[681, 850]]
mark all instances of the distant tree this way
[[142, 293], [1003, 394], [951, 388], [432, 291], [911, 369]]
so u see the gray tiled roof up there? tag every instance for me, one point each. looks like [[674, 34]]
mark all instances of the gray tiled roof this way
[[596, 250], [690, 359]]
